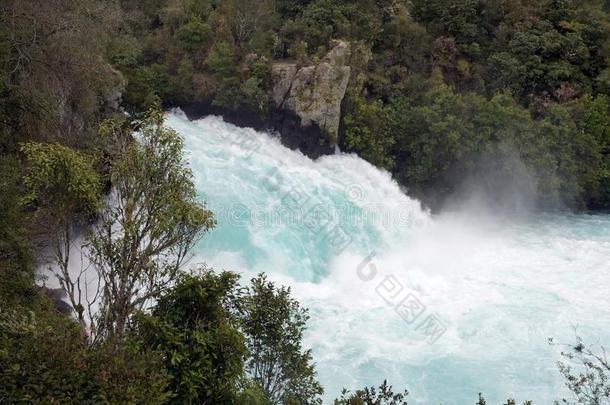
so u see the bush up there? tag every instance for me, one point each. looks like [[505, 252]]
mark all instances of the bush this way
[[44, 359], [195, 329], [194, 34]]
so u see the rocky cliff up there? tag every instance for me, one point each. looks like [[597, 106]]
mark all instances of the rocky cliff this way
[[306, 103], [314, 93]]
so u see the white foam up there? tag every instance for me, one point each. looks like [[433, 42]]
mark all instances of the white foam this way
[[500, 287]]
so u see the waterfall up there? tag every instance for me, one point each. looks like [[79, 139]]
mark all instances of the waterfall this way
[[446, 305]]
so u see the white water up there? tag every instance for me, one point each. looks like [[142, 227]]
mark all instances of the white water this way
[[500, 287]]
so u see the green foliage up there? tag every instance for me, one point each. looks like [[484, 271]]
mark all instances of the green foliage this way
[[540, 60], [44, 359], [65, 187], [140, 94], [16, 258], [549, 56], [247, 19], [221, 61], [56, 85], [193, 34], [62, 177], [442, 134], [273, 324], [445, 138], [225, 344], [320, 20], [592, 120], [228, 94], [125, 52], [367, 133], [193, 326], [459, 19], [384, 395], [254, 96], [291, 8], [405, 43]]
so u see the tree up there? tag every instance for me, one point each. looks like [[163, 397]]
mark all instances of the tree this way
[[384, 395], [405, 43], [248, 17], [56, 84], [193, 34], [459, 19], [318, 24], [61, 177], [273, 323], [16, 250], [195, 326], [147, 227], [587, 374], [222, 61], [254, 96], [64, 186], [592, 138], [44, 358], [290, 8], [367, 134], [556, 56]]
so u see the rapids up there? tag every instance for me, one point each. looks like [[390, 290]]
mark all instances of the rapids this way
[[447, 305]]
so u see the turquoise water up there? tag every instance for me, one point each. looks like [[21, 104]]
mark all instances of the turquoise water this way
[[447, 305]]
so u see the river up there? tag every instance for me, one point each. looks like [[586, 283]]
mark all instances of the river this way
[[445, 305]]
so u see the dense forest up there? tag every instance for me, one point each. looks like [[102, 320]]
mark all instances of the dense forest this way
[[441, 91]]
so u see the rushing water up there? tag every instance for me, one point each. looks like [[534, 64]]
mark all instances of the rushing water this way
[[446, 306]]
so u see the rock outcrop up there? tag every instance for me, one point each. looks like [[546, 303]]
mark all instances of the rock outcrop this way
[[306, 103], [314, 93]]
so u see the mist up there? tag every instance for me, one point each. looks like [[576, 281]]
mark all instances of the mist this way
[[502, 186]]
